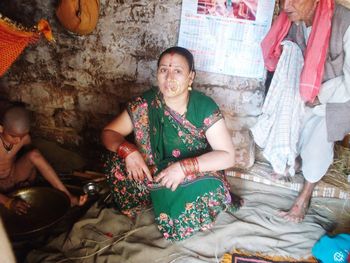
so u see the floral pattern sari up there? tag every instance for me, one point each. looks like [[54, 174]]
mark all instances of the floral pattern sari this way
[[163, 137]]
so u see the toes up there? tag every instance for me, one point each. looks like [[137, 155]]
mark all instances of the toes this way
[[290, 218]]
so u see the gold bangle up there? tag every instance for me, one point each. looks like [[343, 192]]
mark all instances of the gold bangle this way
[[8, 203]]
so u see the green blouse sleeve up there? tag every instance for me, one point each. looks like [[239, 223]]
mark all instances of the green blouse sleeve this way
[[202, 110]]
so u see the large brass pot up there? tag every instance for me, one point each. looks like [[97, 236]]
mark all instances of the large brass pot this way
[[47, 207]]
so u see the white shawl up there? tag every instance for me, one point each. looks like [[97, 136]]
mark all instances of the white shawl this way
[[277, 130]]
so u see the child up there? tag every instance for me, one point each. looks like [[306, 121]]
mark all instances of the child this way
[[16, 173]]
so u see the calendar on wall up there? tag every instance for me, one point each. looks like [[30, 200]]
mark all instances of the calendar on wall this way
[[224, 35]]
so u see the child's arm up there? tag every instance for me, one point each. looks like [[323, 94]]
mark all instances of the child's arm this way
[[51, 176]]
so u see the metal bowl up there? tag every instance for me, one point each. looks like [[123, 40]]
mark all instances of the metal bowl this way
[[91, 188], [47, 207]]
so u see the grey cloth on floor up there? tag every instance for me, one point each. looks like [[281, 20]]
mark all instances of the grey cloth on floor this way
[[338, 120], [255, 227]]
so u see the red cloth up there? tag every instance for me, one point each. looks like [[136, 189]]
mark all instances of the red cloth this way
[[315, 53]]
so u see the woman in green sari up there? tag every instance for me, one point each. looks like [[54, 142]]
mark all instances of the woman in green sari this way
[[181, 147]]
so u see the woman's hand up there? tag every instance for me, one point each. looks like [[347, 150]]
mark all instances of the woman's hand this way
[[136, 167], [19, 206], [171, 177]]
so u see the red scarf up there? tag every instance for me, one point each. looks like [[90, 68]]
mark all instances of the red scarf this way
[[316, 49]]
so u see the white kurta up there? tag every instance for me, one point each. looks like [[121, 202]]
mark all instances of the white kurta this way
[[315, 150]]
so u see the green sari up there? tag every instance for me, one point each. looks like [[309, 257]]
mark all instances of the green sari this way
[[164, 137]]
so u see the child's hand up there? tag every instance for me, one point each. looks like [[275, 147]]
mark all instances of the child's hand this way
[[78, 201], [19, 206]]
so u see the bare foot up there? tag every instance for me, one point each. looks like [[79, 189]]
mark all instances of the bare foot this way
[[301, 205], [297, 213]]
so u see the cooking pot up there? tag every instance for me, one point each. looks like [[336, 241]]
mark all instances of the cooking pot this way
[[47, 207]]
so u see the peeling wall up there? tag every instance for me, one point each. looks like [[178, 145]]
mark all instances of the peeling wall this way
[[75, 86]]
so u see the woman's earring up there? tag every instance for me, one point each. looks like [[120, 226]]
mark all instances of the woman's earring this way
[[189, 88]]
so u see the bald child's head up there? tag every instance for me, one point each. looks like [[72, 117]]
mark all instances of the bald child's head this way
[[16, 120]]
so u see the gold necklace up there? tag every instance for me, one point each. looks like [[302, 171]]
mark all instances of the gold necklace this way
[[7, 148]]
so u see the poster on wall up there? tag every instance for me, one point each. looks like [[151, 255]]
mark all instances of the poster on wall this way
[[224, 35]]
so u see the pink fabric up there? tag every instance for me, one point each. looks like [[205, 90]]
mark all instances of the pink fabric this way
[[271, 44], [315, 53]]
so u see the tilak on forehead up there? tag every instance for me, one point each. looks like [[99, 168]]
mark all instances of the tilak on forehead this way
[[172, 53]]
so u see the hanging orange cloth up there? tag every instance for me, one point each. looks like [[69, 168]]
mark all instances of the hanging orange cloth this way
[[14, 38]]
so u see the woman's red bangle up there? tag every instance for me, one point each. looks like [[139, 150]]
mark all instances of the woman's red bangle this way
[[190, 166], [125, 148]]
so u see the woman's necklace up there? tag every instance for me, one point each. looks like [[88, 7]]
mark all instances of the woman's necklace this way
[[7, 147]]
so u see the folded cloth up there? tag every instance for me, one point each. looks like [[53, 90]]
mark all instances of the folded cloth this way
[[278, 128], [338, 120], [332, 249]]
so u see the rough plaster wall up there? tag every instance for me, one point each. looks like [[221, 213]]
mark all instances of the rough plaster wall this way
[[75, 86]]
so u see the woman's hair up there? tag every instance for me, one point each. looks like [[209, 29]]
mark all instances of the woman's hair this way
[[182, 52], [17, 119]]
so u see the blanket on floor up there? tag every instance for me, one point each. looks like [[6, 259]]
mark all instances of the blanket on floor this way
[[107, 236]]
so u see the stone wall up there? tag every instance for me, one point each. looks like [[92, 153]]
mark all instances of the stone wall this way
[[75, 86]]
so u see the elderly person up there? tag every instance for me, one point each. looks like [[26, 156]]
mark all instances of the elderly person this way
[[181, 147], [321, 30]]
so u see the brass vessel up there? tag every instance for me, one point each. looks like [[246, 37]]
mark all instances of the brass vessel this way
[[47, 207]]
